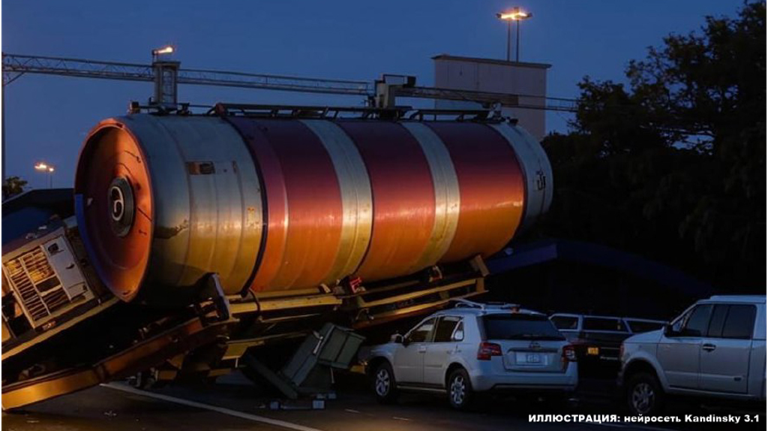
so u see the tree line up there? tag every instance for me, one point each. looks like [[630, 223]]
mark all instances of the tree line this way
[[671, 165]]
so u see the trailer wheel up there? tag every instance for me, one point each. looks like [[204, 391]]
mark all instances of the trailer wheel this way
[[384, 384]]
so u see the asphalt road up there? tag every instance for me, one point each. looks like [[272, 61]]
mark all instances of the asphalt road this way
[[236, 406]]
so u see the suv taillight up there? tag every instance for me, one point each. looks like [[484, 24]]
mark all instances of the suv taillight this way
[[488, 350], [569, 354]]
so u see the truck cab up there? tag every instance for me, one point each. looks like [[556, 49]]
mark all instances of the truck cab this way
[[597, 339], [714, 349]]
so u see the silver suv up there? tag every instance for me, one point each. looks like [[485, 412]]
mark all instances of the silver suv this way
[[715, 349], [474, 348]]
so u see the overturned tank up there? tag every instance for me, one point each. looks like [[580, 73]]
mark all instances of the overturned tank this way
[[284, 204], [214, 243]]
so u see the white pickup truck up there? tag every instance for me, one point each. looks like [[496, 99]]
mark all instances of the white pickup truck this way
[[716, 348]]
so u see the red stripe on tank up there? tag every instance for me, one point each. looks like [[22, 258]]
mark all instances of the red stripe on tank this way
[[403, 197], [304, 211], [492, 188]]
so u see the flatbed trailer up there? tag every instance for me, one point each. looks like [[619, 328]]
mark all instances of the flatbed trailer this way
[[67, 350]]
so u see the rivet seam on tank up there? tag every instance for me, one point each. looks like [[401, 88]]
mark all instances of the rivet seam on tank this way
[[356, 197], [447, 194]]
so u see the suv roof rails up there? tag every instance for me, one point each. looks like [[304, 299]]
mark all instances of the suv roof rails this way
[[464, 303]]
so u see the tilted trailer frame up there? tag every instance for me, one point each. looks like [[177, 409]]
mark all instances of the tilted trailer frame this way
[[73, 343]]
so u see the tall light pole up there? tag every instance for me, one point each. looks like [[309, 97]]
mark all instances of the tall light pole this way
[[2, 116], [46, 168], [514, 15], [166, 77]]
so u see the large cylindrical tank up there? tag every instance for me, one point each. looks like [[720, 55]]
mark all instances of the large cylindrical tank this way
[[276, 204]]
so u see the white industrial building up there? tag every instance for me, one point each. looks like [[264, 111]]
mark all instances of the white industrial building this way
[[527, 80]]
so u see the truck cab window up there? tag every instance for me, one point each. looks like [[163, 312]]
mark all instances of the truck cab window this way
[[566, 323], [740, 322], [698, 321]]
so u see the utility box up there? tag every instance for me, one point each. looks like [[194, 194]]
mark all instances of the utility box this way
[[527, 80], [331, 347]]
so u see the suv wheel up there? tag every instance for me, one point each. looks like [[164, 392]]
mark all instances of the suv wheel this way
[[384, 385], [644, 395], [460, 389]]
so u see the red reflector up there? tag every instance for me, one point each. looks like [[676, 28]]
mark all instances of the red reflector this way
[[354, 284], [488, 350]]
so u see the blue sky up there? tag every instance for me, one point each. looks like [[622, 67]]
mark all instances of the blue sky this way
[[47, 117]]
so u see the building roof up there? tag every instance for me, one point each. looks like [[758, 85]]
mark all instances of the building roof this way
[[491, 61]]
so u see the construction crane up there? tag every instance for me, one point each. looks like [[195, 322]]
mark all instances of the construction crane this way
[[15, 66], [167, 75]]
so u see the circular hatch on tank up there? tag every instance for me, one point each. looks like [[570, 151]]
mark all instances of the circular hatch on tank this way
[[114, 207]]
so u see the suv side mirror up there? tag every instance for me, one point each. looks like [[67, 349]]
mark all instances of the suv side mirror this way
[[668, 331], [397, 338]]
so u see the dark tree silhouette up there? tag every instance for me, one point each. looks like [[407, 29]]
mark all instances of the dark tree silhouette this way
[[13, 186], [672, 165]]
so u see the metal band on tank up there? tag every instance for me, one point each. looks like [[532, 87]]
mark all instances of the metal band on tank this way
[[536, 174], [300, 253], [245, 136], [357, 201], [447, 195], [544, 163], [403, 196], [225, 224]]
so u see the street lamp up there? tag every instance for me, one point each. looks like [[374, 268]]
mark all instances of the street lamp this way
[[514, 15], [166, 50], [46, 168]]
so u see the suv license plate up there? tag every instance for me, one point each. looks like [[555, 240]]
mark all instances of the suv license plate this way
[[528, 358]]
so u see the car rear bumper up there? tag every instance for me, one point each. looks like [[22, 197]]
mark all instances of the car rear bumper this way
[[528, 389], [541, 381]]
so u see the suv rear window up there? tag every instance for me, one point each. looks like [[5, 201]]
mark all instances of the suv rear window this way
[[603, 324], [520, 327]]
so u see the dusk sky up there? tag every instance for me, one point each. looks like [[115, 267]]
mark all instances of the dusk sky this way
[[47, 117]]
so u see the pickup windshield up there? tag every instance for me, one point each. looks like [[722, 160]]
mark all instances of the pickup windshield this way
[[639, 326], [603, 324], [520, 327]]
